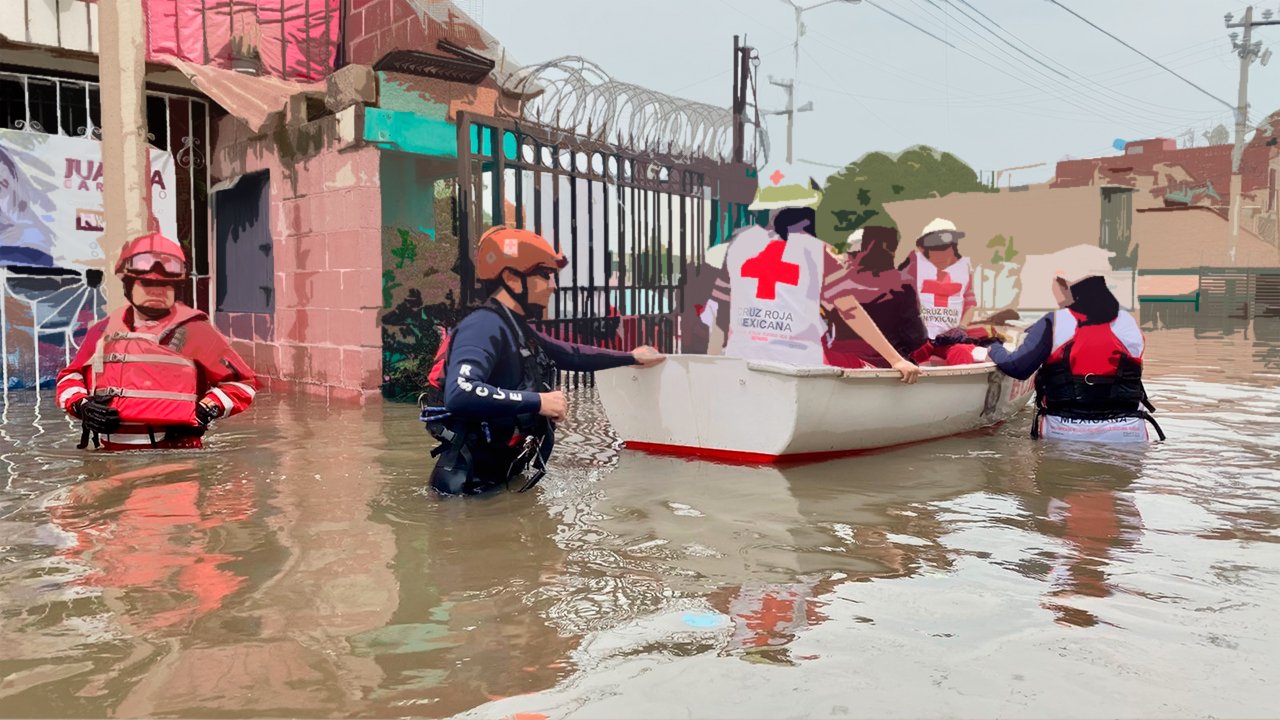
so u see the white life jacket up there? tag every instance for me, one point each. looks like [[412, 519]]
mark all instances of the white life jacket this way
[[775, 289], [941, 293]]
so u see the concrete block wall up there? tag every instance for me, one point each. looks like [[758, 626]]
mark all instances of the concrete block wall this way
[[326, 228]]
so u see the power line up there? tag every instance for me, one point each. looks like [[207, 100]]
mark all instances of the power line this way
[[837, 80], [722, 73], [1001, 39], [1019, 78], [1122, 109], [1075, 76], [908, 22], [1148, 57]]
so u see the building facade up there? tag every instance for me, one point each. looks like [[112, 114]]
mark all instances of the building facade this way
[[333, 163]]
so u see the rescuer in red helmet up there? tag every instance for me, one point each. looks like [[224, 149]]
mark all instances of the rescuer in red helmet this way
[[155, 373]]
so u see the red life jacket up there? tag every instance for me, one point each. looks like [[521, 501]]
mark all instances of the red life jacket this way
[[149, 383], [1093, 371], [438, 367]]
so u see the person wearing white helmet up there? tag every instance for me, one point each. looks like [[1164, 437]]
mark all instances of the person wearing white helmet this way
[[943, 277], [1087, 359]]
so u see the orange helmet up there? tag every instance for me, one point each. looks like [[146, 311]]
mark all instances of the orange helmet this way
[[507, 248], [152, 256]]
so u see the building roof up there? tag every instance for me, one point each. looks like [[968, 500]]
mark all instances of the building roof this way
[[1193, 237], [1039, 221]]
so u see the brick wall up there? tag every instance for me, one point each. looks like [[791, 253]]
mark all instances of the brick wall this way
[[326, 224], [1161, 170], [376, 27]]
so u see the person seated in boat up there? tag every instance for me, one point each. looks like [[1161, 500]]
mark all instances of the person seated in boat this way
[[943, 279], [155, 373], [889, 298], [500, 402], [1087, 359], [775, 289]]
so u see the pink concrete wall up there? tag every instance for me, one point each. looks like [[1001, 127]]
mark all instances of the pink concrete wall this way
[[326, 225]]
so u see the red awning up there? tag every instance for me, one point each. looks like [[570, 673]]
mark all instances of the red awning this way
[[259, 101]]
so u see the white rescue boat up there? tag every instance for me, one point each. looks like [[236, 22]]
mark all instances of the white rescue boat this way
[[750, 411]]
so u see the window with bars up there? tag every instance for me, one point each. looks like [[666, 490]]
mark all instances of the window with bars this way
[[176, 123]]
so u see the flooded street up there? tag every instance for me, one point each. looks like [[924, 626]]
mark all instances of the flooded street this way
[[298, 567]]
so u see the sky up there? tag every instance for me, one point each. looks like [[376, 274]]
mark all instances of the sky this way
[[877, 83]]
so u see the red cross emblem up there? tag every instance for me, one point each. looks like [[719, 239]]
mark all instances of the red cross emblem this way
[[768, 269], [776, 177], [941, 288]]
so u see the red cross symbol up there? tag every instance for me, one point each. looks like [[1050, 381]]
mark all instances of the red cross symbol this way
[[768, 270], [942, 289], [776, 177]]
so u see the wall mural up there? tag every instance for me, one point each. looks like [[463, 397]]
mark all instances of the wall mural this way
[[51, 264]]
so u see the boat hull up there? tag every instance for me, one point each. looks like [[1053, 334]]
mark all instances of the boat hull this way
[[758, 412]]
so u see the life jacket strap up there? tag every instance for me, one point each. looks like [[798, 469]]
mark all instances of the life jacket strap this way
[[147, 358], [109, 392]]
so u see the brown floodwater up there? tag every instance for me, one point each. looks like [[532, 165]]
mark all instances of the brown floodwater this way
[[297, 567]]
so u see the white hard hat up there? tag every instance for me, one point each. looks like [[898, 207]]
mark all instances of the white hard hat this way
[[939, 233], [938, 224]]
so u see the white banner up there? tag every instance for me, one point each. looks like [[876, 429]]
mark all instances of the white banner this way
[[1125, 430], [51, 199]]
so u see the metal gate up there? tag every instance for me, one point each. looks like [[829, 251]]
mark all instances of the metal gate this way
[[630, 224], [44, 311]]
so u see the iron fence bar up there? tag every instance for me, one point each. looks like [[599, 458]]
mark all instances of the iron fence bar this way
[[466, 269], [572, 236], [537, 199], [497, 170], [591, 247], [671, 268]]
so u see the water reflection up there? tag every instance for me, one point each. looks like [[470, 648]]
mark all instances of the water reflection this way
[[755, 550], [1083, 498], [465, 625]]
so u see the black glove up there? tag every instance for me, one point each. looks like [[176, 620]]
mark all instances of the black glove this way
[[206, 413], [98, 415]]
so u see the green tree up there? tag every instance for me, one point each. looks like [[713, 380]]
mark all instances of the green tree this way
[[856, 195]]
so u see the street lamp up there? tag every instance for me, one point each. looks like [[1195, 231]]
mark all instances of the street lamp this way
[[795, 73]]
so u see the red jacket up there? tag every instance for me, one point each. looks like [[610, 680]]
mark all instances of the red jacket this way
[[222, 376]]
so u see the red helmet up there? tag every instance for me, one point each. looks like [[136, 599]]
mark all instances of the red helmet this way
[[154, 257], [507, 248]]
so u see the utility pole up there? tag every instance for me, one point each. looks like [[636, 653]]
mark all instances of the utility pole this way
[[126, 187], [791, 110], [795, 75], [741, 77], [1248, 51]]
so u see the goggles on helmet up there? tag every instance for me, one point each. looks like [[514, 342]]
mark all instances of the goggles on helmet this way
[[940, 239], [147, 261]]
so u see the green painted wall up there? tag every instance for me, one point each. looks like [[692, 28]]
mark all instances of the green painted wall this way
[[410, 132]]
